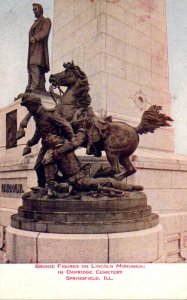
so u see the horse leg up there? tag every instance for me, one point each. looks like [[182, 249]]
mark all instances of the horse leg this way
[[130, 169], [114, 163]]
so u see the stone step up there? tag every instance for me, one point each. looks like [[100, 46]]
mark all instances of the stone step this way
[[84, 215], [86, 227], [129, 201]]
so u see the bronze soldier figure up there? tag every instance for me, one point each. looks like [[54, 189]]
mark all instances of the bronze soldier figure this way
[[47, 121], [61, 154], [38, 57]]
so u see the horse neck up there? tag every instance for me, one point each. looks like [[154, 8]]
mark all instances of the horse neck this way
[[68, 104], [69, 97], [76, 96]]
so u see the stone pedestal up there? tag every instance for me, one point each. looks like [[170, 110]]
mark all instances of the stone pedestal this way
[[143, 246], [84, 228]]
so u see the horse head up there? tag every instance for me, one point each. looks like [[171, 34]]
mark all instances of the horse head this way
[[68, 77], [75, 80]]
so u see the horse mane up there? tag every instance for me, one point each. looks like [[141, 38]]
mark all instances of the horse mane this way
[[81, 86]]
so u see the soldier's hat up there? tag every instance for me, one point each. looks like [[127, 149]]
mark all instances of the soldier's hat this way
[[30, 98]]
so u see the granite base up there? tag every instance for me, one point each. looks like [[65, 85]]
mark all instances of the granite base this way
[[143, 246]]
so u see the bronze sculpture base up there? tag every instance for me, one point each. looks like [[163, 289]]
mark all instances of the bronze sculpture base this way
[[85, 213]]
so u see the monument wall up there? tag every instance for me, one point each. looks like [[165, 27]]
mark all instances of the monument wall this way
[[122, 47]]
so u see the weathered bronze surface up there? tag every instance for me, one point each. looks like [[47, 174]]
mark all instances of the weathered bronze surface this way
[[84, 213], [118, 139], [61, 154], [47, 121], [73, 197], [38, 56]]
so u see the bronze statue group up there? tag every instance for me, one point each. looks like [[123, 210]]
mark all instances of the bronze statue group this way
[[72, 124]]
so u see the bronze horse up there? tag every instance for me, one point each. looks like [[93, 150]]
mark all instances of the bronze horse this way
[[118, 139]]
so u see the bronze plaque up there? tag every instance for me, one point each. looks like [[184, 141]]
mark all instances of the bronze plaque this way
[[11, 129]]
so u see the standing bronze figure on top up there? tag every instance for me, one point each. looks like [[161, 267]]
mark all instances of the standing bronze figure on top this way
[[38, 56]]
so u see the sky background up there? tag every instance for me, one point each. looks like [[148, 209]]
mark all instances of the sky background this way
[[177, 50], [16, 17]]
